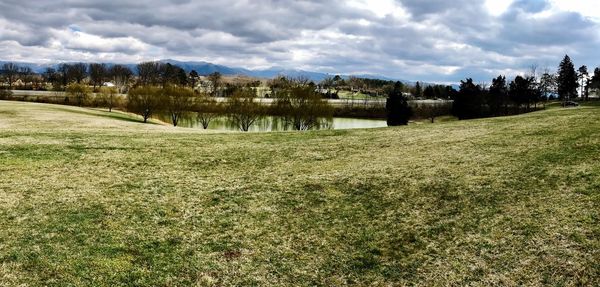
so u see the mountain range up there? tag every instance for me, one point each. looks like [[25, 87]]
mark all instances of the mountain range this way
[[205, 68]]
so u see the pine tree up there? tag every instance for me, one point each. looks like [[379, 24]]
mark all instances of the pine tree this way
[[498, 96], [567, 80], [418, 90], [398, 110]]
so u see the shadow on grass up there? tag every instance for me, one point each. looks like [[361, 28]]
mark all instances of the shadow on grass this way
[[111, 115]]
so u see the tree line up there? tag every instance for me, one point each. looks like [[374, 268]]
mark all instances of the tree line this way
[[299, 106], [524, 93]]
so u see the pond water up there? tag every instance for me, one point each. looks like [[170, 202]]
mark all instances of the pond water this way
[[270, 123]]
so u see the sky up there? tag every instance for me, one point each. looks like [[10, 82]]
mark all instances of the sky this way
[[428, 40]]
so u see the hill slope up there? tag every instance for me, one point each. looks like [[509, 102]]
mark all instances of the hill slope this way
[[506, 201]]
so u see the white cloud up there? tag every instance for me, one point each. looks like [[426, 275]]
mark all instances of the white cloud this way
[[429, 40], [497, 7], [588, 8], [77, 40]]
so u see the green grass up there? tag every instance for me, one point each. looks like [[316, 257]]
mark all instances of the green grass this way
[[90, 199]]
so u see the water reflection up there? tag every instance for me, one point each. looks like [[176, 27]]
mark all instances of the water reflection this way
[[270, 123]]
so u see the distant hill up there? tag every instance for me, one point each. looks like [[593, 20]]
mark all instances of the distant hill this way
[[205, 68]]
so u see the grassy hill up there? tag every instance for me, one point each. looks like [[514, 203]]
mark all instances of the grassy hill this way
[[89, 198]]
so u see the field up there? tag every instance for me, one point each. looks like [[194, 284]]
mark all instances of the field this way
[[357, 96], [90, 198]]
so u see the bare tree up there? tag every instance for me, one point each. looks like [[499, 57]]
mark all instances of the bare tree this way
[[302, 108], [77, 72], [215, 79], [120, 75], [207, 109], [98, 74], [148, 73], [243, 110], [62, 76], [11, 73], [432, 110], [547, 85], [144, 101], [582, 74], [177, 101], [27, 77]]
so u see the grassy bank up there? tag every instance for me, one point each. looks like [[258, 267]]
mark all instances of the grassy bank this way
[[89, 198]]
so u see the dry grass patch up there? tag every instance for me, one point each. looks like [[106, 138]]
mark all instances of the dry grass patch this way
[[91, 200]]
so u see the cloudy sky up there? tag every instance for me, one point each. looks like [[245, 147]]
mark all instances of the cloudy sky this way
[[429, 40]]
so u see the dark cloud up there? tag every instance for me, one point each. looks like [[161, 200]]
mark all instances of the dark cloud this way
[[432, 40]]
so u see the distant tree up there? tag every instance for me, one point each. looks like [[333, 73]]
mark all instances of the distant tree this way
[[283, 84], [10, 71], [243, 110], [215, 80], [468, 101], [172, 75], [567, 80], [78, 91], [338, 82], [77, 72], [398, 110], [582, 74], [523, 91], [27, 76], [50, 75], [193, 79], [418, 91], [327, 86], [108, 97], [120, 76], [148, 73], [177, 101], [498, 97], [98, 75], [547, 86], [595, 80], [144, 101], [432, 110], [429, 92], [5, 93], [63, 75]]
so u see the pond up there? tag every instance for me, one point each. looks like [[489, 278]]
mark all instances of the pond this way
[[270, 123]]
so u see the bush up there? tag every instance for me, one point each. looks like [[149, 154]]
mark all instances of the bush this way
[[80, 92], [5, 94]]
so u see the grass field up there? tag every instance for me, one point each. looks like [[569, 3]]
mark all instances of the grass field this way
[[89, 198], [357, 96]]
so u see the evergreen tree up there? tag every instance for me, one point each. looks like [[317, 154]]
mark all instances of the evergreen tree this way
[[468, 102], [567, 80], [398, 110], [498, 96], [193, 79], [595, 81], [418, 91], [523, 91], [429, 92]]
